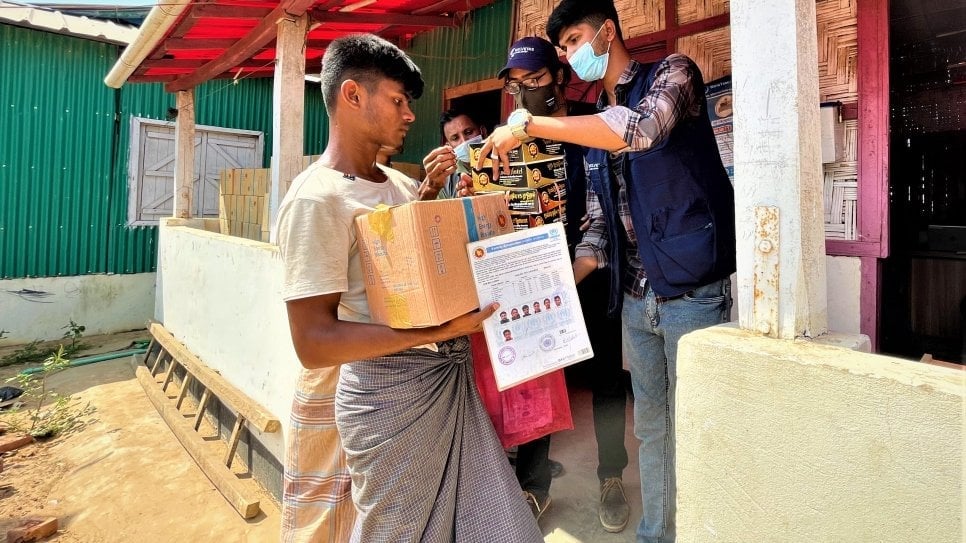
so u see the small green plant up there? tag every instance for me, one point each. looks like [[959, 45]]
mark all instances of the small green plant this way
[[31, 353], [74, 333], [44, 413], [27, 354]]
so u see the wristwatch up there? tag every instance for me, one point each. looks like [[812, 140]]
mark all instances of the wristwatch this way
[[518, 121]]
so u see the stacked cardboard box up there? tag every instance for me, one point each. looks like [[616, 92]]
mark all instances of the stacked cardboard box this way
[[414, 257], [536, 186], [243, 203]]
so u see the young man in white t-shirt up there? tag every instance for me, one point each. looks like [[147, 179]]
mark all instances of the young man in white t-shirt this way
[[424, 460]]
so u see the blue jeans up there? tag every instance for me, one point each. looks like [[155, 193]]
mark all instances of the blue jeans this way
[[651, 329]]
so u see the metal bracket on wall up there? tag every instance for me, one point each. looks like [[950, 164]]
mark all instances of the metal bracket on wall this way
[[766, 285]]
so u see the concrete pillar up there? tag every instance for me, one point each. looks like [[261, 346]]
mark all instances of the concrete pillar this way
[[778, 170], [288, 106], [184, 155]]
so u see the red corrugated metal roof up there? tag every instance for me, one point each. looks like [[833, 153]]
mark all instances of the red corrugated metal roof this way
[[196, 45]]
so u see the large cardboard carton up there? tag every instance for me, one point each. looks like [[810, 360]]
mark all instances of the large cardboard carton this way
[[414, 257]]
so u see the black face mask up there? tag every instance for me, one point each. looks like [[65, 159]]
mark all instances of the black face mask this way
[[539, 101]]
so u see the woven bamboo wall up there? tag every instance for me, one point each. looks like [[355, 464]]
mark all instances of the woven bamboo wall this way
[[841, 189], [638, 17], [837, 54], [710, 50], [837, 50], [690, 11]]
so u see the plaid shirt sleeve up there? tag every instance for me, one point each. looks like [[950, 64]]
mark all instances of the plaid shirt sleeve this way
[[594, 243], [670, 98]]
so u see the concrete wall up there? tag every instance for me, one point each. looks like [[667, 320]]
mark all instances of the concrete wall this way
[[39, 308], [844, 275], [220, 296], [801, 442]]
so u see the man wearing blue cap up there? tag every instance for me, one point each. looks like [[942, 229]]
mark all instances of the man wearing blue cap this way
[[537, 80], [662, 221]]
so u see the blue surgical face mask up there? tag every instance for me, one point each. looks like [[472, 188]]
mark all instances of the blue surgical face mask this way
[[587, 65], [463, 150]]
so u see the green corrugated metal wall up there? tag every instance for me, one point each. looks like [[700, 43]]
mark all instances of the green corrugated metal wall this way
[[65, 137], [64, 145], [451, 57]]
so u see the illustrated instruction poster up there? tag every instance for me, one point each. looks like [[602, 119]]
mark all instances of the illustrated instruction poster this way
[[539, 326], [721, 114]]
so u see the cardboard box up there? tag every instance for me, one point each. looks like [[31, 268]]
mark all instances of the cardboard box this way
[[523, 221], [551, 196], [522, 176], [523, 200], [535, 150], [557, 214], [414, 257]]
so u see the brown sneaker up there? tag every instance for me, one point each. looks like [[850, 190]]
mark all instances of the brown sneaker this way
[[613, 510], [537, 507]]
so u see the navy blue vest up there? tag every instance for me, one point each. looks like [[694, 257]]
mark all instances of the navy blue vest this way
[[681, 201]]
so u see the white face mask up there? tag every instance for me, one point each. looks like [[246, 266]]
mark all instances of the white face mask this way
[[463, 150], [586, 64]]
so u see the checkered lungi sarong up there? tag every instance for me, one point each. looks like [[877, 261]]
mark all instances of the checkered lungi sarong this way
[[316, 496], [426, 464]]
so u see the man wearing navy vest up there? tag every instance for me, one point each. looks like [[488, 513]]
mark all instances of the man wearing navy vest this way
[[661, 212]]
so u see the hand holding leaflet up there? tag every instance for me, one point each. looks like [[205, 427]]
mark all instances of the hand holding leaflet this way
[[539, 327]]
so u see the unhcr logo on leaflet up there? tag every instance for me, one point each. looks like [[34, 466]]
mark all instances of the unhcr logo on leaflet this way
[[437, 246]]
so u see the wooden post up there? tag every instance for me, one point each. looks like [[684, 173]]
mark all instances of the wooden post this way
[[288, 106], [778, 168], [184, 155]]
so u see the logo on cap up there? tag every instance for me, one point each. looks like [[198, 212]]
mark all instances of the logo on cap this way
[[517, 50]]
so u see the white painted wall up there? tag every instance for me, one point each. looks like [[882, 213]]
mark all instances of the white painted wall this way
[[39, 308], [220, 296], [844, 285], [794, 441]]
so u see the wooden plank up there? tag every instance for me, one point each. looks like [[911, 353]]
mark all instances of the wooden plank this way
[[10, 443], [169, 374], [248, 181], [262, 179], [425, 21], [242, 49], [233, 398], [233, 440], [159, 361], [220, 475], [184, 155], [184, 390], [32, 529], [288, 107], [202, 405], [473, 88]]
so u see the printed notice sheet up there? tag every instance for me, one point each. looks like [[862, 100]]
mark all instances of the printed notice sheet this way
[[539, 326]]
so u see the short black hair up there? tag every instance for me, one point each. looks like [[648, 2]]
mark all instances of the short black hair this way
[[573, 12], [366, 58], [453, 113]]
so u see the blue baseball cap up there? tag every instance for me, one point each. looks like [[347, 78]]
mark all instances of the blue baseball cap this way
[[531, 54]]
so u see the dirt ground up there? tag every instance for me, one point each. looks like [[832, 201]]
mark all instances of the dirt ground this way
[[122, 476]]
